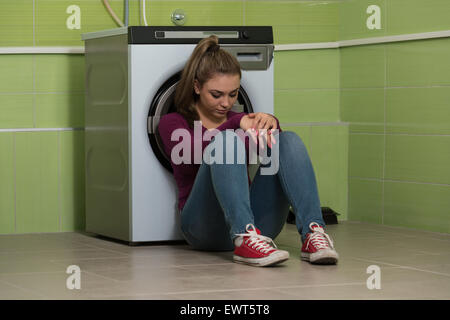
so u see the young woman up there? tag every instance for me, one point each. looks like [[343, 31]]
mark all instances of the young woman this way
[[220, 208]]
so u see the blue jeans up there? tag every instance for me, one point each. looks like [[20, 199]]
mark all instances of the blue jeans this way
[[221, 203]]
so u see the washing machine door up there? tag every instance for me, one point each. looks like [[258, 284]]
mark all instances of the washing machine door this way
[[163, 103]]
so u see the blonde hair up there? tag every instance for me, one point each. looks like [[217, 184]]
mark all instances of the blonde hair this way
[[206, 60]]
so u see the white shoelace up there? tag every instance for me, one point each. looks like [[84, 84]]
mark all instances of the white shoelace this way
[[319, 238], [257, 241]]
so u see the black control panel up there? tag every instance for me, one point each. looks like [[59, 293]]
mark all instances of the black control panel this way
[[192, 35]]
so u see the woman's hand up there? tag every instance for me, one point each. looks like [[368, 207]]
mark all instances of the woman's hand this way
[[260, 125]]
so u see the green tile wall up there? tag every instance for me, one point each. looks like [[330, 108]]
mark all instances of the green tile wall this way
[[71, 180], [431, 110], [365, 201], [307, 86], [363, 108], [353, 17], [307, 91], [327, 147], [396, 97], [411, 16], [417, 205], [296, 21], [418, 63], [366, 155], [16, 88], [418, 158], [7, 185], [36, 174], [16, 23], [197, 12], [396, 17], [41, 189], [42, 181], [329, 155], [307, 94], [51, 16]]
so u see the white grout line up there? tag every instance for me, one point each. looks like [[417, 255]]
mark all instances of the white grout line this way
[[244, 4], [43, 92], [59, 181], [306, 89], [384, 136], [42, 50], [364, 41], [15, 183], [33, 98], [269, 288], [314, 124], [187, 266], [429, 253], [307, 46], [92, 273], [40, 129], [34, 22], [396, 38], [399, 181], [90, 246], [387, 87], [393, 133], [403, 267], [34, 293]]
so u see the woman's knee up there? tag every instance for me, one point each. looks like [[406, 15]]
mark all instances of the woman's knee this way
[[290, 140], [290, 136]]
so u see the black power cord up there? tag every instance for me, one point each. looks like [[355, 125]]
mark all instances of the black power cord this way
[[328, 214]]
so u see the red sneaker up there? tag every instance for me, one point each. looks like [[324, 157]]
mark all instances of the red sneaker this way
[[318, 247], [254, 249]]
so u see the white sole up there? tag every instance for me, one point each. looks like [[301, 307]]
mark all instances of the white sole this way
[[273, 259], [324, 256]]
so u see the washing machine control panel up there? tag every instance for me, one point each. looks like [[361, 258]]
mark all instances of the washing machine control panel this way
[[191, 35]]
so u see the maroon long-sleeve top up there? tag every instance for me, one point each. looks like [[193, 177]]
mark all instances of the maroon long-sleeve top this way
[[185, 173]]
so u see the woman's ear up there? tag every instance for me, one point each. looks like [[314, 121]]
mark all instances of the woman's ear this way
[[196, 86]]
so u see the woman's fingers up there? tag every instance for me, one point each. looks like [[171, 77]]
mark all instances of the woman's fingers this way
[[269, 138], [261, 127], [254, 135], [262, 123], [261, 139], [256, 122], [272, 138], [265, 123]]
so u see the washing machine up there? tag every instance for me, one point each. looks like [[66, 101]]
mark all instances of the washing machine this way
[[131, 74]]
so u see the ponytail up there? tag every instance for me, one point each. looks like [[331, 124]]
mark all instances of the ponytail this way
[[206, 60]]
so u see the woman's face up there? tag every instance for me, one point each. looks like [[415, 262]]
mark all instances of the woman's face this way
[[217, 95]]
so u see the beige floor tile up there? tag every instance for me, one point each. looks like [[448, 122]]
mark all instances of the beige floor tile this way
[[414, 264], [9, 291], [243, 294]]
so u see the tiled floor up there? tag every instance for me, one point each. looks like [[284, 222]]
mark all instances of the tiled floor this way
[[413, 265]]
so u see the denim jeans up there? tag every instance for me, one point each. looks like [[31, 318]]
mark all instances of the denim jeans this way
[[222, 203]]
